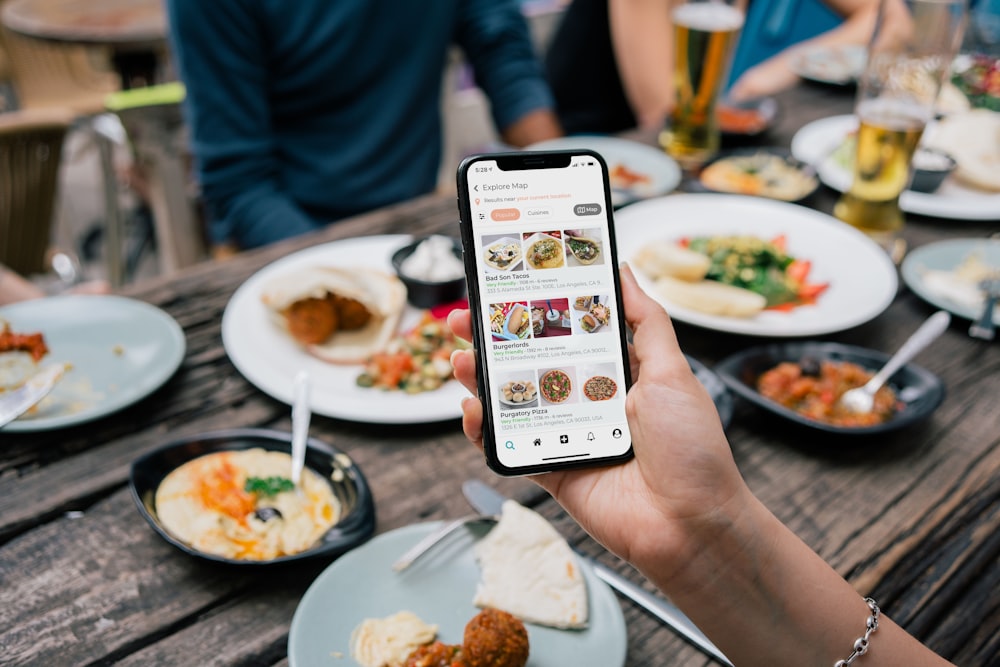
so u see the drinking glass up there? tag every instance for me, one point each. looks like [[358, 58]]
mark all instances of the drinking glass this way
[[909, 56], [705, 34]]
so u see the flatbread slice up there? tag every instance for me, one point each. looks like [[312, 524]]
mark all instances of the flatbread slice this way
[[528, 570], [710, 296], [973, 139]]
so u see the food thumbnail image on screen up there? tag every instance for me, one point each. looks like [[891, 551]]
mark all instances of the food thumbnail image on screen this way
[[510, 320], [591, 313], [517, 389], [502, 253], [550, 317], [598, 382], [557, 385], [543, 250], [584, 247]]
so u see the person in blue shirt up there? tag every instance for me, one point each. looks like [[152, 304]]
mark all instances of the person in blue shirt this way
[[610, 61], [306, 112]]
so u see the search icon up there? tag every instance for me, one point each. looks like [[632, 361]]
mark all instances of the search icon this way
[[509, 444]]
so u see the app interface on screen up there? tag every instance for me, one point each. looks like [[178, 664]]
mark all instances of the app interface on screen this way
[[549, 312]]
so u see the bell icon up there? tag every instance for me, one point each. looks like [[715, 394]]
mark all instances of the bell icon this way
[[590, 435]]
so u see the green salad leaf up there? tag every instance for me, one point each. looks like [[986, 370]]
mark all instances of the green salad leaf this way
[[268, 486]]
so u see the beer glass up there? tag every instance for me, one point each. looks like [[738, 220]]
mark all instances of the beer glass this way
[[705, 34], [909, 56]]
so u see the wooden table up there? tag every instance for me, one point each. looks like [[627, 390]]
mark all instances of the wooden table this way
[[912, 518], [135, 30]]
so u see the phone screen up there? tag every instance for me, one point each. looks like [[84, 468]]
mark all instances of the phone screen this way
[[546, 309]]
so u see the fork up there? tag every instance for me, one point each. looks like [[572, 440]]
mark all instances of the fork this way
[[983, 327], [426, 544]]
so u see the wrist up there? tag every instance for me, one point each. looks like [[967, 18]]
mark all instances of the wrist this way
[[725, 547]]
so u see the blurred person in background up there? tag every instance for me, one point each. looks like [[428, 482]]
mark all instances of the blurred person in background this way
[[14, 287], [304, 113], [610, 62]]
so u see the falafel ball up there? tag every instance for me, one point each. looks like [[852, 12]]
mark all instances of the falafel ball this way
[[494, 638], [352, 313], [311, 321]]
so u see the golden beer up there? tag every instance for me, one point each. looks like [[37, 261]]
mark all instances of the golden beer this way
[[704, 36], [887, 137]]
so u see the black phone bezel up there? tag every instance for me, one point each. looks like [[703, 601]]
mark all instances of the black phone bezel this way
[[527, 160]]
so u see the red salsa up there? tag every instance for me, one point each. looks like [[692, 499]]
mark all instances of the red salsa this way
[[812, 388]]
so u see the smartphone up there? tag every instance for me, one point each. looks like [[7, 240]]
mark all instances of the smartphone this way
[[547, 320]]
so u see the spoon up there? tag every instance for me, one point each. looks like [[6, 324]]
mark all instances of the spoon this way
[[300, 425], [300, 431], [861, 399]]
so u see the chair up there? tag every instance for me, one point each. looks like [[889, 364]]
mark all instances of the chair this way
[[30, 154], [155, 129]]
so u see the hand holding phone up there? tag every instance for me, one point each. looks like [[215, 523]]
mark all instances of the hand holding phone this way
[[545, 302]]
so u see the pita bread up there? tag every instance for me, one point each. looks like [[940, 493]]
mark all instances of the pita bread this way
[[528, 570], [383, 294], [710, 296], [973, 139], [666, 258]]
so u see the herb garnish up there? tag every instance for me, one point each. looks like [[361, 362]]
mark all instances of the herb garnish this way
[[268, 486]]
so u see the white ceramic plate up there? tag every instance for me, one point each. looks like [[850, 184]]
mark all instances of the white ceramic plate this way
[[533, 403], [439, 589], [121, 350], [862, 279], [269, 358], [663, 172], [945, 256], [951, 200]]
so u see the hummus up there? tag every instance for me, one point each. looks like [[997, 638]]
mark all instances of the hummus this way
[[205, 504]]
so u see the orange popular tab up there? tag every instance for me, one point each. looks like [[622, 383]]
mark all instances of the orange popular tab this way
[[505, 214]]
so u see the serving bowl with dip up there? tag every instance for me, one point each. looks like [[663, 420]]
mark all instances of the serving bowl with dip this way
[[331, 477], [432, 270], [930, 169], [917, 391]]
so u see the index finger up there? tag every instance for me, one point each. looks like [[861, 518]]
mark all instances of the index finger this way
[[653, 337], [460, 321]]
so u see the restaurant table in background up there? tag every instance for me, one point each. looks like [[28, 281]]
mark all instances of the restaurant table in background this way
[[134, 30], [911, 518]]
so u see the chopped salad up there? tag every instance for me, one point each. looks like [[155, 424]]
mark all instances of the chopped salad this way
[[760, 266]]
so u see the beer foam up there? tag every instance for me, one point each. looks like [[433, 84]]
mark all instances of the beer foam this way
[[894, 114], [709, 17]]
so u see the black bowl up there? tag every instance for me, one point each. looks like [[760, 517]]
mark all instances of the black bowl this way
[[918, 391], [930, 168], [357, 521], [425, 293], [747, 118]]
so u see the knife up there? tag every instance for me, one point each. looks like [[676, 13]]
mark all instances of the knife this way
[[487, 500], [15, 403]]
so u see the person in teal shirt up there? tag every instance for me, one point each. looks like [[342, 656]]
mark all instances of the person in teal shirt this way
[[305, 112], [774, 25], [609, 61]]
